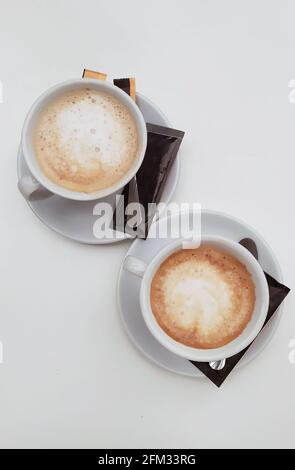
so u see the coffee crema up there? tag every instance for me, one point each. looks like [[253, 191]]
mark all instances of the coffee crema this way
[[85, 140], [203, 298]]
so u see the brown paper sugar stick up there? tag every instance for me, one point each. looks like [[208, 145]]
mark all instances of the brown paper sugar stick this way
[[93, 74], [127, 85]]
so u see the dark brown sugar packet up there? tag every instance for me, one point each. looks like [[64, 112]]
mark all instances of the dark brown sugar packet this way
[[146, 188], [127, 85], [277, 293]]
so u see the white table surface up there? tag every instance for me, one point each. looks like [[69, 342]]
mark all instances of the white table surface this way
[[220, 71]]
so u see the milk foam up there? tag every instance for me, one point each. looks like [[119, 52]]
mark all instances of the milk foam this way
[[86, 140], [196, 296], [203, 297]]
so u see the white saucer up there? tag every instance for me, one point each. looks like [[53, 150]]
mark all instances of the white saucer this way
[[213, 223], [75, 219]]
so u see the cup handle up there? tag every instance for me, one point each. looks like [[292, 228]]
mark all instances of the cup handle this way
[[30, 188], [135, 265]]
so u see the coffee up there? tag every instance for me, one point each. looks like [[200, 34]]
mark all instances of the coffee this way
[[203, 298], [85, 140]]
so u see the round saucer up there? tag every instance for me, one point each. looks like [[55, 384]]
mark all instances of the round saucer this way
[[213, 223], [75, 219]]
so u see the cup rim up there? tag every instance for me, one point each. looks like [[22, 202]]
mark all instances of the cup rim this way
[[64, 192], [197, 354]]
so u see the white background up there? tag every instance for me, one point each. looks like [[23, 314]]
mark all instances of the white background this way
[[220, 71]]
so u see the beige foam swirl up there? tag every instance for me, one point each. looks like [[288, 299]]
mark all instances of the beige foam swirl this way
[[203, 298], [85, 140]]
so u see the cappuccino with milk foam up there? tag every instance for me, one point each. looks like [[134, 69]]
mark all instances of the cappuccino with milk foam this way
[[85, 140], [203, 298]]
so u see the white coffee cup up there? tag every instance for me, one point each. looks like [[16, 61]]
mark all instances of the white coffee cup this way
[[147, 271], [38, 182]]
